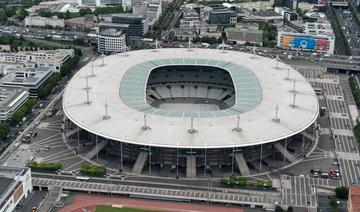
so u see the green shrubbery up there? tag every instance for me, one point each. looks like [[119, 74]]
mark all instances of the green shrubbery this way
[[355, 90], [92, 170], [233, 181], [341, 44], [45, 166], [69, 65], [4, 130], [342, 192]]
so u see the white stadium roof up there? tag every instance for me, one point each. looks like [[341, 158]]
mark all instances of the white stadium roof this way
[[259, 85]]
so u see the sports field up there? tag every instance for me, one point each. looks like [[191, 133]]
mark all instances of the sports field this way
[[103, 208]]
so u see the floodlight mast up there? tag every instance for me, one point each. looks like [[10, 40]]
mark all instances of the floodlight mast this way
[[102, 59], [237, 128], [192, 130], [145, 127], [106, 117], [276, 119], [92, 70]]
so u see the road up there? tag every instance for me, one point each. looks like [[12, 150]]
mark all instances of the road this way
[[40, 33], [350, 28], [34, 119]]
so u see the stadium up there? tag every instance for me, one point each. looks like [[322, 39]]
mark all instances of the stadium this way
[[190, 113]]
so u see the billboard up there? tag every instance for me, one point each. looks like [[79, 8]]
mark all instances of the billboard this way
[[305, 43], [17, 194]]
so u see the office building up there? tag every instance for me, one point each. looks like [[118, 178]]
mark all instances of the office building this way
[[138, 25], [98, 2], [222, 15], [190, 20], [111, 40], [26, 79], [11, 99], [52, 59], [244, 36], [353, 204], [15, 187], [38, 21]]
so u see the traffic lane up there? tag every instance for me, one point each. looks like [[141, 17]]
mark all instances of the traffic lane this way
[[34, 200]]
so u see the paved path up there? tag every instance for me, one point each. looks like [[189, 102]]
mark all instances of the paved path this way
[[89, 201]]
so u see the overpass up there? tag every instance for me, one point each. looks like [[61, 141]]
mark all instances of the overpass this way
[[241, 197]]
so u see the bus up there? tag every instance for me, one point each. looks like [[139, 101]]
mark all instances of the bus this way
[[82, 178]]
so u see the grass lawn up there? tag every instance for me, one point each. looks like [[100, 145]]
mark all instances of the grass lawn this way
[[102, 208]]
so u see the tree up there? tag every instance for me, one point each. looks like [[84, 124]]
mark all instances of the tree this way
[[85, 11], [342, 192], [278, 209], [4, 130], [333, 202], [67, 14], [22, 14], [290, 209]]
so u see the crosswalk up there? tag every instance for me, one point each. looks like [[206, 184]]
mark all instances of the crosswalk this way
[[300, 191], [346, 147]]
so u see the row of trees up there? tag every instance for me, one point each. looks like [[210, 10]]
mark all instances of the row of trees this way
[[24, 110], [341, 192], [168, 15], [4, 130], [50, 84], [45, 166], [7, 12], [341, 44], [355, 90], [56, 77], [269, 34], [93, 170], [69, 65], [22, 44], [233, 181]]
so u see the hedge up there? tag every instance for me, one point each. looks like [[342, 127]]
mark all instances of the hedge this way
[[233, 181], [92, 170], [45, 166]]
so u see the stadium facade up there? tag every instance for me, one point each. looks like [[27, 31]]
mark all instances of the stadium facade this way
[[190, 112]]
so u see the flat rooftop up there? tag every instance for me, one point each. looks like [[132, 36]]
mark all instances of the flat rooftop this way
[[10, 95], [19, 78], [260, 87]]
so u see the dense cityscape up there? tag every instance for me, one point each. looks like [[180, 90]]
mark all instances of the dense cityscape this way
[[179, 105]]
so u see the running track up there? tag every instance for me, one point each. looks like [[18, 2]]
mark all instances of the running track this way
[[89, 202]]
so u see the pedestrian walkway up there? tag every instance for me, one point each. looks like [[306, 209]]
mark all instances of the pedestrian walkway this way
[[267, 198]]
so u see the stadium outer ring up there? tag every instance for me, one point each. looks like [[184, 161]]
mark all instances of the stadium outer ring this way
[[257, 125]]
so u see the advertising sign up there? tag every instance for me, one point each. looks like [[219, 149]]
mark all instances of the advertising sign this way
[[304, 43], [17, 194]]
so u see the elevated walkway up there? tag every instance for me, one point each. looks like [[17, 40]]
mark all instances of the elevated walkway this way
[[286, 154], [242, 165], [190, 166], [95, 150], [140, 162]]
